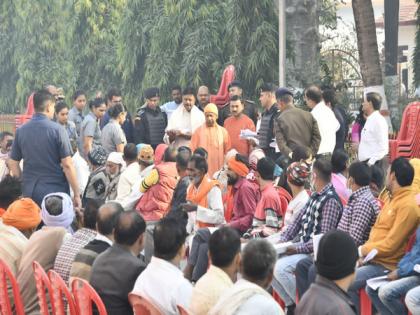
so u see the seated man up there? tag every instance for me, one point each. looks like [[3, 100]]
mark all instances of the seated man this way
[[225, 255], [388, 299], [10, 190], [204, 197], [245, 193], [43, 245], [268, 211], [321, 213], [157, 188], [115, 270], [358, 217], [78, 240], [106, 221], [249, 295], [395, 223], [336, 262], [16, 226], [162, 282]]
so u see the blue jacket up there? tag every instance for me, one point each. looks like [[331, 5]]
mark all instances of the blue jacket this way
[[410, 259]]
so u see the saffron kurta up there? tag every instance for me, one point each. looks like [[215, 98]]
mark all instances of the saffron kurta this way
[[217, 143]]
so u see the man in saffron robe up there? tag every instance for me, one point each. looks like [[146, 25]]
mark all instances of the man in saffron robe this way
[[212, 137]]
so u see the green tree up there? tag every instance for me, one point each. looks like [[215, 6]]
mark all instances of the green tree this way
[[8, 71], [40, 53], [94, 41]]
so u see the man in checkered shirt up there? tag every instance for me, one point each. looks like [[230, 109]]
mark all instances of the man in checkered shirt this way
[[358, 217], [321, 213]]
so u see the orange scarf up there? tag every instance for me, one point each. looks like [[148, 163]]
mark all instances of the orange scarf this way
[[228, 203], [199, 196]]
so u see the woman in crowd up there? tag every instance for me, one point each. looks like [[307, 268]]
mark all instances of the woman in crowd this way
[[90, 132], [62, 117], [112, 136]]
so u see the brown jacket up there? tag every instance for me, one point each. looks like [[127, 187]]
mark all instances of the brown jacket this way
[[296, 127], [324, 297]]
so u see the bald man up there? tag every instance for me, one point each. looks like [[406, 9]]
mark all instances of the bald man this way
[[203, 97]]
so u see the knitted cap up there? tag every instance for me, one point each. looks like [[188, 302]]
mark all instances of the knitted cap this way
[[97, 156], [337, 255], [146, 154], [298, 173]]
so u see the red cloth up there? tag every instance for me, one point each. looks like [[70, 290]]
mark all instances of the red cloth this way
[[159, 152], [30, 105], [245, 197], [270, 199]]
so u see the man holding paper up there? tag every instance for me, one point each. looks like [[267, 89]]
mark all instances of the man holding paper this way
[[321, 213], [395, 223]]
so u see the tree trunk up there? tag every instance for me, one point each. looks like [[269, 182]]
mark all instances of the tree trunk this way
[[302, 23], [367, 45], [392, 81]]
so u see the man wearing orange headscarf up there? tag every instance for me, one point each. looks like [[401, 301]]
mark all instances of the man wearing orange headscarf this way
[[245, 193], [16, 226], [212, 137]]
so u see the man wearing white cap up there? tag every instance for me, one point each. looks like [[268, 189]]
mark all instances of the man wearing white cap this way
[[114, 166]]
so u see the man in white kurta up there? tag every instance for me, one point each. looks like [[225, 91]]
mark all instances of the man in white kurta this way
[[184, 121]]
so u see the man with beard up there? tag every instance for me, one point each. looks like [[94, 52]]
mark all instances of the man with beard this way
[[245, 194], [184, 121]]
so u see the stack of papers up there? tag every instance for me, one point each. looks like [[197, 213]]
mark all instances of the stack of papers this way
[[370, 256], [375, 283], [247, 134]]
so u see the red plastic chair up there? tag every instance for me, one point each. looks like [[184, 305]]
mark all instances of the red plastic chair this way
[[5, 305], [182, 310], [84, 296], [406, 145], [365, 303], [59, 289], [222, 96], [142, 306], [43, 283]]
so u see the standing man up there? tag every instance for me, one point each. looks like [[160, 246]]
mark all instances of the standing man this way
[[237, 122], [170, 107], [330, 100], [151, 121], [203, 97], [373, 146], [266, 133], [114, 97], [46, 149], [184, 121], [213, 138], [76, 112], [294, 127], [327, 123], [250, 108]]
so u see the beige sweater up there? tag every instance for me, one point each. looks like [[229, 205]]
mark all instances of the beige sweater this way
[[42, 247]]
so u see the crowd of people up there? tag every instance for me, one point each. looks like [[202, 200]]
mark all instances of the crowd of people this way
[[214, 208]]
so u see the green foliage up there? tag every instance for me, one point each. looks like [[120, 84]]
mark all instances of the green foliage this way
[[135, 44]]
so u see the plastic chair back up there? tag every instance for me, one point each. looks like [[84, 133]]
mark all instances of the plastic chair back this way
[[5, 305], [182, 310], [278, 299], [59, 289], [84, 296], [43, 283], [222, 96], [142, 306], [365, 303]]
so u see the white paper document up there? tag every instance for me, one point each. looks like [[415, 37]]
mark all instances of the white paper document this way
[[370, 256], [375, 283], [247, 134], [316, 240]]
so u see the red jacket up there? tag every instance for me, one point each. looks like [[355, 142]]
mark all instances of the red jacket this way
[[155, 202]]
